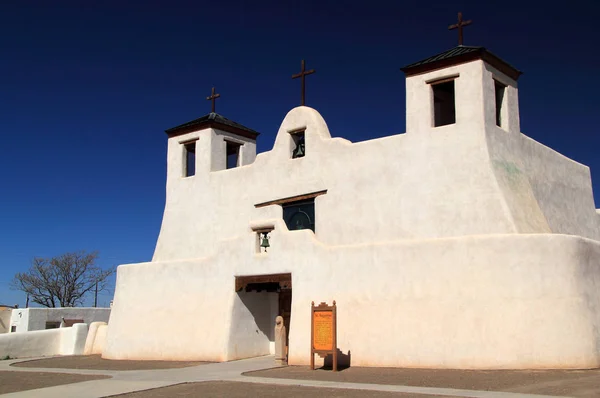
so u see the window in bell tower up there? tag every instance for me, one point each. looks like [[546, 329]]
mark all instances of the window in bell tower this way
[[189, 162], [444, 109], [500, 90], [233, 154]]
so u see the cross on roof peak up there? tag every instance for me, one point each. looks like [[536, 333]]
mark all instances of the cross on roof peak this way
[[460, 26], [303, 73], [212, 98]]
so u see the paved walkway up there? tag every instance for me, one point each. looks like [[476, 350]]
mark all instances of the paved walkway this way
[[136, 380]]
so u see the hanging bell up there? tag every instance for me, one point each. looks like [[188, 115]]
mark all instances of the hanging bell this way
[[299, 151], [265, 242]]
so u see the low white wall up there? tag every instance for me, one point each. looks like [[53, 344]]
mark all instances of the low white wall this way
[[62, 341]]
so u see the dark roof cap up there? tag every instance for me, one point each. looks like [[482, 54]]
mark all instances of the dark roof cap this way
[[461, 55], [212, 120]]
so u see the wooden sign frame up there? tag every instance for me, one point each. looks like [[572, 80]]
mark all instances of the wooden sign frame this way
[[320, 309]]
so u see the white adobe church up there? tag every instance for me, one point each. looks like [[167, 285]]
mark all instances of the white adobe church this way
[[459, 244]]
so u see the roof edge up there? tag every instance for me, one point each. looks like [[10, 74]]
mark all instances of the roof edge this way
[[211, 121], [480, 53]]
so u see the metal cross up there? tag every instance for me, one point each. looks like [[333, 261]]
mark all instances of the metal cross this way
[[459, 26], [212, 98], [301, 75]]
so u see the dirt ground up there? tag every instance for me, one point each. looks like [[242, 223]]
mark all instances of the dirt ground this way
[[22, 381], [574, 383], [94, 362], [230, 389]]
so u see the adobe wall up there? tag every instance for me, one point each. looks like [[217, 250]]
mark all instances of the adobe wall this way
[[482, 302], [62, 341], [450, 181]]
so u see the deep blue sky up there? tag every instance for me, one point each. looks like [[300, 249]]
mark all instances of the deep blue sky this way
[[88, 87]]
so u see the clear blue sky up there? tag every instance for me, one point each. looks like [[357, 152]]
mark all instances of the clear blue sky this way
[[87, 89]]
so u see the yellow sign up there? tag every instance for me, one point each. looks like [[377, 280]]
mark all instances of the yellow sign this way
[[323, 330]]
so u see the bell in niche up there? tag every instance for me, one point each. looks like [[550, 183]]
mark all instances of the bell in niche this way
[[299, 151], [265, 241]]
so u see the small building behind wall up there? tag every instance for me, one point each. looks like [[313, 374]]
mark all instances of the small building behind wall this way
[[29, 319], [5, 311]]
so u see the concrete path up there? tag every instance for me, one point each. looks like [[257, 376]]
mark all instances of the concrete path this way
[[136, 380]]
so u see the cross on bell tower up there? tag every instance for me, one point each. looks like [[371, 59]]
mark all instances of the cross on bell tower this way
[[460, 26], [302, 75], [212, 98]]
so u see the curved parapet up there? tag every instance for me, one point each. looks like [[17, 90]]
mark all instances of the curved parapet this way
[[92, 341]]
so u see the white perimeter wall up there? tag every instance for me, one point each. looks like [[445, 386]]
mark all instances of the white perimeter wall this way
[[501, 301], [62, 341], [29, 319]]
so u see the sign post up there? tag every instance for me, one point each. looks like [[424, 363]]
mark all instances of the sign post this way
[[323, 332]]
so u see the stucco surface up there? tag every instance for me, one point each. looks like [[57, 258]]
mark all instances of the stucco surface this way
[[504, 301], [455, 180], [96, 338], [62, 341], [462, 246]]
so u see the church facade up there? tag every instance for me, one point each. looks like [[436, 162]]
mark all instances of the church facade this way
[[461, 243]]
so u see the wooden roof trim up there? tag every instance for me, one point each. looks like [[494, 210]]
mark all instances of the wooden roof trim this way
[[291, 199], [444, 79], [284, 280], [191, 140]]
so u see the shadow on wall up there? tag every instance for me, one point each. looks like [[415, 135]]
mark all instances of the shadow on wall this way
[[259, 305], [343, 361]]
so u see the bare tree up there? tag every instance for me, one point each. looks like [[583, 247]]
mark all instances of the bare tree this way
[[62, 281]]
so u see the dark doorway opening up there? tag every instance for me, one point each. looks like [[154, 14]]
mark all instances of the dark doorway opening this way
[[273, 283]]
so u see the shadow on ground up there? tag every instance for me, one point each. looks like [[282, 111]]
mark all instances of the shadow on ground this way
[[94, 362]]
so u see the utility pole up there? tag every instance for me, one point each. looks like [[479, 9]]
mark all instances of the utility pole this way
[[96, 296], [27, 302]]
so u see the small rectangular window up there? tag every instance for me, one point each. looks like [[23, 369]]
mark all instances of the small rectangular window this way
[[13, 329], [444, 108], [71, 322], [300, 214], [52, 325], [190, 159], [299, 145], [233, 154], [500, 92]]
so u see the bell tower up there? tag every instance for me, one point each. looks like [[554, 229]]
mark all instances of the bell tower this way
[[208, 144], [464, 87]]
